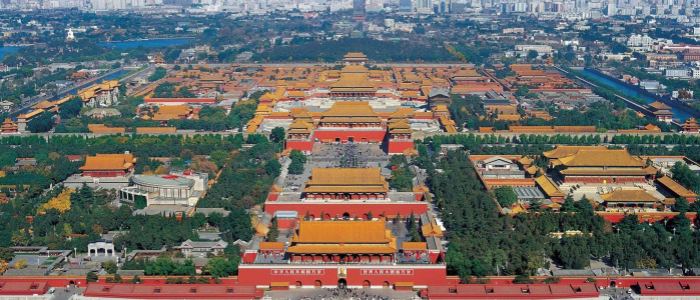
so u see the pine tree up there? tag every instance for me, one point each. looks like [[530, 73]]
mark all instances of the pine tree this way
[[274, 231]]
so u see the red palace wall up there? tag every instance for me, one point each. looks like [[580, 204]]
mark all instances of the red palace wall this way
[[328, 275], [607, 179], [358, 136], [303, 146], [104, 173], [356, 210], [398, 147], [649, 217]]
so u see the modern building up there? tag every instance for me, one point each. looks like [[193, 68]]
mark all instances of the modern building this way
[[184, 189], [359, 9]]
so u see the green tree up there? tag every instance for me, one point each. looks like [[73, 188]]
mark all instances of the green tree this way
[[681, 205], [569, 205], [298, 159], [506, 196], [277, 135], [71, 108], [220, 267], [219, 157], [110, 267], [41, 123], [532, 55], [274, 231], [158, 74], [685, 176], [91, 277]]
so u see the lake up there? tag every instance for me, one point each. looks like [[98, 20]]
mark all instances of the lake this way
[[679, 112], [147, 43]]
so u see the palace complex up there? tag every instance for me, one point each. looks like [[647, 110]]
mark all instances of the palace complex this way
[[350, 253], [345, 225], [358, 104], [108, 165], [597, 164], [614, 181], [335, 193]]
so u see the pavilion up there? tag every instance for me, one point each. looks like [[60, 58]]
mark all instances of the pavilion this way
[[342, 242], [598, 165], [108, 165], [346, 184]]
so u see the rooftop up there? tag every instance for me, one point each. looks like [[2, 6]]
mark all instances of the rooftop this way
[[346, 180], [102, 162], [637, 195], [163, 180], [347, 232], [600, 158]]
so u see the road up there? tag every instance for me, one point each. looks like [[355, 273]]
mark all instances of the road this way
[[146, 70], [69, 90], [62, 293]]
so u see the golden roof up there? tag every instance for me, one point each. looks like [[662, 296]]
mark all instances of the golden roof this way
[[296, 94], [659, 105], [355, 55], [343, 232], [329, 180], [675, 187], [31, 114], [400, 126], [637, 195], [413, 246], [609, 171], [350, 109], [562, 151], [354, 69], [341, 249], [8, 124], [440, 108], [263, 109], [600, 158], [170, 112], [353, 82], [102, 129], [351, 120], [548, 187], [467, 73], [532, 170], [44, 104], [106, 162], [431, 229], [299, 112], [346, 176], [300, 126], [271, 246], [525, 161]]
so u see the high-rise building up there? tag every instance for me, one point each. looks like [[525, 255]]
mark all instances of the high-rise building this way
[[405, 5], [359, 9]]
